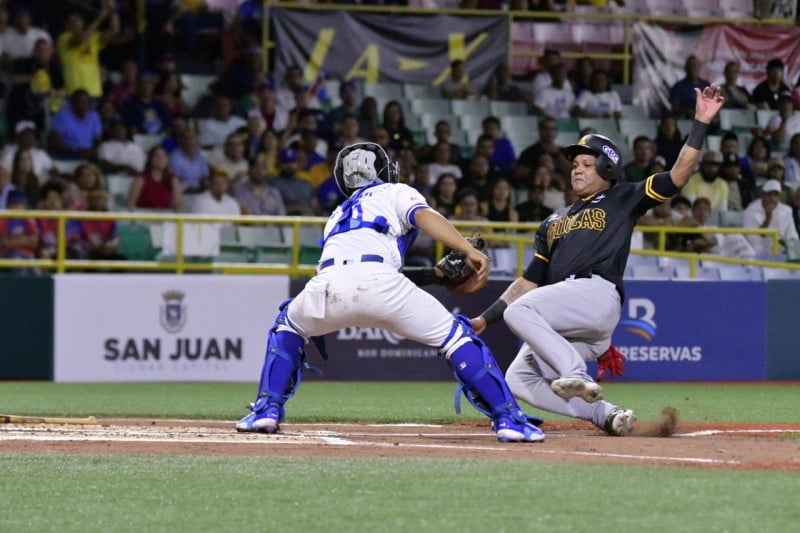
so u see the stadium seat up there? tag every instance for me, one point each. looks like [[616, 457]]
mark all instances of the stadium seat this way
[[427, 121], [416, 90], [625, 92], [731, 219], [118, 186], [682, 272], [641, 260], [702, 8], [631, 128], [524, 124], [763, 116], [651, 272], [390, 91], [66, 167], [588, 33], [471, 107], [730, 272], [634, 112], [146, 142], [736, 9], [780, 273], [565, 138], [713, 142], [135, 242], [472, 123], [431, 106], [733, 118], [603, 126], [671, 262], [507, 109], [567, 124], [265, 243], [194, 86]]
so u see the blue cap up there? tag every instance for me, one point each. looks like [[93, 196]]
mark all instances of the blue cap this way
[[16, 196], [347, 85], [287, 155], [267, 85]]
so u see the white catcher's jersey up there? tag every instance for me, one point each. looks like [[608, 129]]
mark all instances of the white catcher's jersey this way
[[395, 203]]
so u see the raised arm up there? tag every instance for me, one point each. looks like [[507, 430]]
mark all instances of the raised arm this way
[[708, 104]]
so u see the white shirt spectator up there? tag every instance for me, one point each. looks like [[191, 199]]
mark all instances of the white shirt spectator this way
[[603, 104], [206, 204], [792, 127], [122, 153], [212, 132], [218, 160], [554, 199], [18, 45], [42, 164], [435, 170], [781, 220], [541, 81], [556, 103]]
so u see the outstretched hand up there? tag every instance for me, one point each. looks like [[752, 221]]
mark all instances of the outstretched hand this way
[[478, 262], [708, 103]]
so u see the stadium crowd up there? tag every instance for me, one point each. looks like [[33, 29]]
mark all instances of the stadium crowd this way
[[82, 107]]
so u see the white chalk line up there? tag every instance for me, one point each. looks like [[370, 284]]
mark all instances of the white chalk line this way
[[712, 432]]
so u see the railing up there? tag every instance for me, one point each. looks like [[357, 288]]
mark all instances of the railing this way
[[492, 231], [627, 20]]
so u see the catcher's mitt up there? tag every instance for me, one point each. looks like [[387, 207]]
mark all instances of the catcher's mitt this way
[[458, 275]]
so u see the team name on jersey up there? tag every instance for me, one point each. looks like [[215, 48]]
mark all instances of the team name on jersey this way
[[593, 219]]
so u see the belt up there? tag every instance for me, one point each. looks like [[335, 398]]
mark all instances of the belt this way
[[366, 258]]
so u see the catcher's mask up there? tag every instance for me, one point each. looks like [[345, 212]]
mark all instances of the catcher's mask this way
[[609, 160], [360, 164]]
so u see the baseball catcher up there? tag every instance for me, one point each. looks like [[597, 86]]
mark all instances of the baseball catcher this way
[[359, 283]]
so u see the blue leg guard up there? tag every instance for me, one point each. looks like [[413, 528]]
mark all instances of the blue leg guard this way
[[280, 376], [479, 377]]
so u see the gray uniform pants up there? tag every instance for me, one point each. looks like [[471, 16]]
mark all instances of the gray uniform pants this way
[[562, 326]]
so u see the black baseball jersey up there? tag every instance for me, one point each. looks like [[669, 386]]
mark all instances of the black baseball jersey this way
[[593, 235]]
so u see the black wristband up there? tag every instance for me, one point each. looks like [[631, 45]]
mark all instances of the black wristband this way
[[495, 311], [697, 136]]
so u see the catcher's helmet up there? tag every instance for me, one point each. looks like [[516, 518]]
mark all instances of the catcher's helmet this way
[[360, 164], [609, 161]]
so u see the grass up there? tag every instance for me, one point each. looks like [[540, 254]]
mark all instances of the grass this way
[[379, 402], [185, 493]]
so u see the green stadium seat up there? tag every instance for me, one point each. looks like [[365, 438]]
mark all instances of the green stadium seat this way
[[135, 242], [735, 118], [568, 124], [507, 109]]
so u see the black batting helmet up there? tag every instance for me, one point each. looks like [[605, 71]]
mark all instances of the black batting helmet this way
[[360, 164], [609, 160]]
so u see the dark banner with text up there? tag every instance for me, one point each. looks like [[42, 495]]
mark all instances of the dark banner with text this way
[[387, 47]]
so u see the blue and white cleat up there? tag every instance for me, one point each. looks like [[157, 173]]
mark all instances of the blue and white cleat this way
[[267, 421], [509, 431]]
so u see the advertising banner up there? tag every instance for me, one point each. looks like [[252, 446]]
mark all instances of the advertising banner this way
[[373, 354], [383, 47], [693, 331], [163, 327], [660, 54]]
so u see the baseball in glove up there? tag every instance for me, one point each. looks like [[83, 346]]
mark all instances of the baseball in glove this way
[[459, 277]]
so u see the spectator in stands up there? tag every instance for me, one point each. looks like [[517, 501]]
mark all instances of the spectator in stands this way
[[368, 118], [23, 177], [168, 91], [707, 183], [400, 136], [441, 163], [156, 187], [229, 160], [244, 73], [35, 82], [457, 86], [769, 212], [189, 164], [269, 148], [792, 161], [485, 147], [5, 186], [255, 195], [498, 207], [442, 133], [100, 238], [529, 158], [297, 194], [599, 102], [637, 170], [556, 100], [443, 194], [292, 84], [502, 154], [310, 166], [657, 164], [554, 196], [681, 95], [26, 137], [736, 96], [681, 205], [17, 42], [18, 236], [584, 68], [126, 87], [669, 140], [85, 178], [785, 123], [119, 154], [795, 209], [52, 199], [777, 172], [550, 59], [694, 242], [76, 131], [533, 209], [256, 126], [313, 145], [740, 189], [348, 94], [216, 200], [79, 49], [468, 208], [758, 158], [501, 87], [214, 130], [767, 93], [347, 132], [662, 215], [302, 124], [275, 116], [478, 177], [381, 136]]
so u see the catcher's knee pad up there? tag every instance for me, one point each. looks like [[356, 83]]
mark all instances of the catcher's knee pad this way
[[283, 363], [479, 376]]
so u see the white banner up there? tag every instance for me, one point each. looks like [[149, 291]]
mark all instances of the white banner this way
[[163, 327]]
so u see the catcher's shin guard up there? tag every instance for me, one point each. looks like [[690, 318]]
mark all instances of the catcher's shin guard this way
[[479, 376], [283, 364]]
